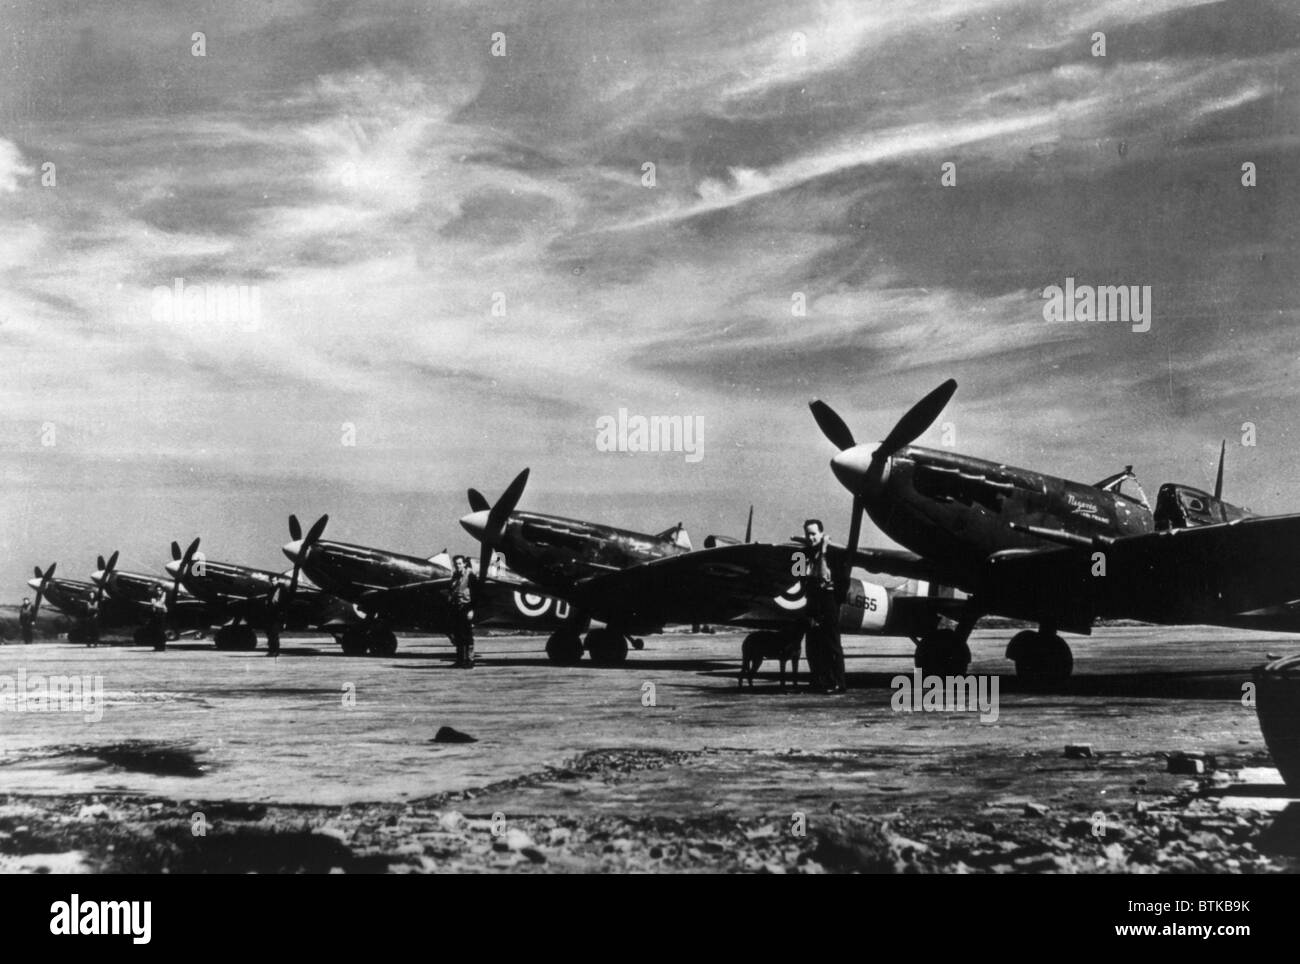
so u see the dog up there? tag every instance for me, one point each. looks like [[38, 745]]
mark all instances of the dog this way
[[780, 645]]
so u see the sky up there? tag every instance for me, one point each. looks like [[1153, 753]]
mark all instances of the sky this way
[[382, 178]]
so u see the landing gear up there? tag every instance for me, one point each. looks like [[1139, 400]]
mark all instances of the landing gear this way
[[564, 648], [383, 642], [355, 641], [942, 652], [608, 647], [377, 640], [1041, 658], [239, 637]]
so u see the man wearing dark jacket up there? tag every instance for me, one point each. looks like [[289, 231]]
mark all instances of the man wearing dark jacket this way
[[824, 652], [26, 620], [460, 598]]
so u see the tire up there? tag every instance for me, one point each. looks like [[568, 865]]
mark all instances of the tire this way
[[607, 647], [355, 642], [564, 648], [943, 653], [383, 643], [1046, 662]]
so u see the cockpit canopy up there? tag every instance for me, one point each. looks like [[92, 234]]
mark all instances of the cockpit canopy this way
[[1182, 507], [1125, 484]]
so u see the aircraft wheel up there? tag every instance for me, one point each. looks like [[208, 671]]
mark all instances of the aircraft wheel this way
[[76, 634], [222, 638], [564, 648], [355, 641], [638, 643], [942, 653], [1044, 660], [244, 638], [607, 647], [383, 642]]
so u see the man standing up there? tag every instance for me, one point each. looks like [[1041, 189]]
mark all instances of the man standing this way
[[824, 652], [26, 620], [158, 620], [273, 605], [92, 622], [460, 597]]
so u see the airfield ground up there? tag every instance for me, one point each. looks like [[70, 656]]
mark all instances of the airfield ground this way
[[210, 761]]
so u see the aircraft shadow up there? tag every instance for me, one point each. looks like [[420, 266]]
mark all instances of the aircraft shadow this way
[[1210, 685]]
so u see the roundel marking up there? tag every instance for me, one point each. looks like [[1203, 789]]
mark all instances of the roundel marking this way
[[532, 604], [792, 598]]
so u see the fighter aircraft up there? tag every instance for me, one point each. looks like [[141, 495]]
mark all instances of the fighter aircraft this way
[[1059, 553], [72, 597], [638, 583], [397, 591], [247, 599], [135, 590]]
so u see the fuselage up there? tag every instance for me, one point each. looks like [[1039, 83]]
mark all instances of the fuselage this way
[[221, 583], [961, 510], [357, 573]]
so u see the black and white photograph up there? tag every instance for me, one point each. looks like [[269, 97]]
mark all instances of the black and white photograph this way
[[701, 437]]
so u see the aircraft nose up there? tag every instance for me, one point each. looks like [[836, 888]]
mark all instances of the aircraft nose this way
[[292, 549], [851, 466], [173, 566], [34, 583], [97, 577], [475, 523]]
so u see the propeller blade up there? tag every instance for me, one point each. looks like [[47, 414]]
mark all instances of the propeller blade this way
[[855, 530], [176, 549], [313, 534], [496, 524], [295, 528], [832, 425], [36, 570], [315, 531], [45, 578], [506, 504], [918, 418], [477, 501], [1218, 482], [181, 572], [99, 563], [749, 526], [112, 562]]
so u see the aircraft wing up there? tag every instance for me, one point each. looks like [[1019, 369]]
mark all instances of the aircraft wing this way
[[895, 562], [708, 585], [1208, 574]]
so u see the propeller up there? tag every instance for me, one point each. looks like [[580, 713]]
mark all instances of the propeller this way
[[498, 516], [107, 569], [45, 578], [749, 526], [860, 479], [1218, 482], [477, 502], [181, 571], [313, 535]]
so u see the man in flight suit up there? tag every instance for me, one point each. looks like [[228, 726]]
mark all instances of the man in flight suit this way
[[824, 652], [460, 597]]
